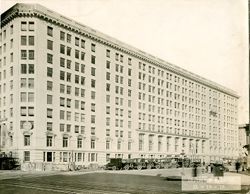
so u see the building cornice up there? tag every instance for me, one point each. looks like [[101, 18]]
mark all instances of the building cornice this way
[[38, 11]]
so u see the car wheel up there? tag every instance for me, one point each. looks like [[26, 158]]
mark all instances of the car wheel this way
[[126, 167], [139, 167], [148, 166], [158, 166]]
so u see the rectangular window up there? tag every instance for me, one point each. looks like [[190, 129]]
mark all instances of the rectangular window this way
[[31, 69], [68, 128], [31, 111], [23, 83], [93, 83], [23, 40], [49, 44], [62, 113], [23, 96], [23, 68], [83, 43], [23, 111], [49, 113], [93, 47], [77, 65], [68, 51], [23, 54], [26, 140], [92, 59], [31, 26], [62, 127], [76, 129], [92, 71], [31, 54], [49, 58], [108, 53], [49, 31], [77, 41], [49, 85], [92, 107], [49, 141], [49, 99], [26, 156], [93, 119], [62, 49], [79, 143], [107, 144], [82, 56], [49, 72], [68, 89], [68, 38], [49, 126], [77, 54], [92, 144], [69, 64], [23, 26], [31, 83], [62, 75], [82, 105], [65, 142], [32, 41], [65, 156], [108, 64], [62, 62], [31, 97], [62, 35]]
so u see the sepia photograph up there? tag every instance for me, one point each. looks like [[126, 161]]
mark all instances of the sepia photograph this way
[[124, 96]]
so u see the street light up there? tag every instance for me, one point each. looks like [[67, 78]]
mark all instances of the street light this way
[[182, 155]]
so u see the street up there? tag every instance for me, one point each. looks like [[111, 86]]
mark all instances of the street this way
[[94, 182]]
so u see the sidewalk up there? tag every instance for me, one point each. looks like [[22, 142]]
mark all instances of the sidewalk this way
[[11, 174], [245, 179], [164, 173]]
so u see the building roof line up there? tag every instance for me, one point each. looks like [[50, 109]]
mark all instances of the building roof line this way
[[51, 16]]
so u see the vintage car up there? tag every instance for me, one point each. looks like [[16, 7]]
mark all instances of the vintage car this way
[[116, 164]]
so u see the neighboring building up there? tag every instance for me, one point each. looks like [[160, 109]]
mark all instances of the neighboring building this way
[[243, 135], [244, 142], [71, 94]]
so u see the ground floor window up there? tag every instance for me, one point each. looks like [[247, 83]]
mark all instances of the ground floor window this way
[[79, 157], [65, 156], [107, 157], [49, 156], [92, 157], [26, 156]]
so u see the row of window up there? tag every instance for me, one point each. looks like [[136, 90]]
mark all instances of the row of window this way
[[27, 54], [5, 46], [27, 26], [3, 35], [27, 40]]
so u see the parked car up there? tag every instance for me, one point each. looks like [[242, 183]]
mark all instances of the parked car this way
[[116, 164], [138, 163], [9, 163]]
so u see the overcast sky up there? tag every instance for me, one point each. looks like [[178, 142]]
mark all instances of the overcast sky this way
[[207, 37]]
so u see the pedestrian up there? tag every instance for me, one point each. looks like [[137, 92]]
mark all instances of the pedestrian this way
[[237, 166], [209, 168]]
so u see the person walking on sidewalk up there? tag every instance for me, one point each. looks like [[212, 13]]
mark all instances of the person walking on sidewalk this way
[[237, 166]]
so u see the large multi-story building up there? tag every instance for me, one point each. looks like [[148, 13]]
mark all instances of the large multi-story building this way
[[71, 94]]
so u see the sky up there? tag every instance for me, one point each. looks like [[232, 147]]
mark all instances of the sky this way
[[206, 37]]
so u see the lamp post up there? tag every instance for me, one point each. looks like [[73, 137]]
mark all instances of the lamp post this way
[[182, 155]]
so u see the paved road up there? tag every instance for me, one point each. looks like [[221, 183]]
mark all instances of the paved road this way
[[93, 182]]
